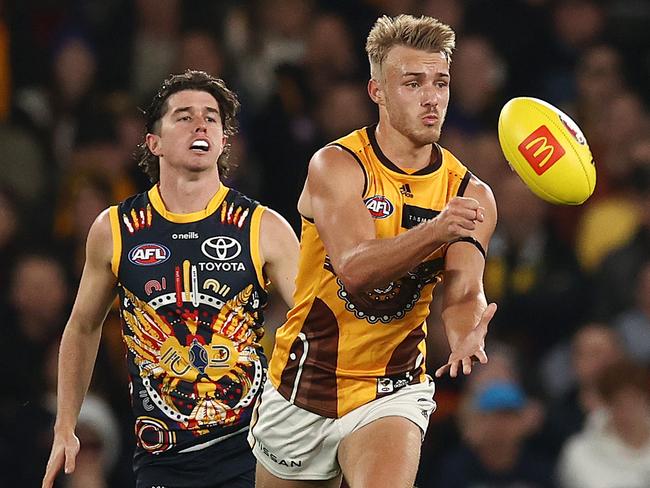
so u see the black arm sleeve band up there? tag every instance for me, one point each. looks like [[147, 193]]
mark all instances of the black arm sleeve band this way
[[471, 240]]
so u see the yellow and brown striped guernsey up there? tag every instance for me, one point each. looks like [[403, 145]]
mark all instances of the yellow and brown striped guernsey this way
[[337, 352]]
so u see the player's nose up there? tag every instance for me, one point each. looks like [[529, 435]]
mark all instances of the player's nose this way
[[428, 97]]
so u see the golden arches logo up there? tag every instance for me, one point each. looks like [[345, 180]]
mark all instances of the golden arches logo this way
[[544, 147], [541, 149]]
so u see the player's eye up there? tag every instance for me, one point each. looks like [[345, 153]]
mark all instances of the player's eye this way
[[412, 84]]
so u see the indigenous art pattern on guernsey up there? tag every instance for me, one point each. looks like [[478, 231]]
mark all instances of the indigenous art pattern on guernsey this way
[[136, 220], [394, 300], [200, 368]]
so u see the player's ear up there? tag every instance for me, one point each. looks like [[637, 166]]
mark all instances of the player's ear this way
[[153, 143], [375, 91]]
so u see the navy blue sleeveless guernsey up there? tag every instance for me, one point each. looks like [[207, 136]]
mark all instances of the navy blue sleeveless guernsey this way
[[191, 292]]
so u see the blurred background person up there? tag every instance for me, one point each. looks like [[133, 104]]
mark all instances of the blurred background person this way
[[496, 420], [39, 299], [633, 325], [569, 375], [613, 449], [531, 271], [615, 278]]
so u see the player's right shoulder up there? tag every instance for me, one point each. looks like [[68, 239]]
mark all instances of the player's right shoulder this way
[[335, 163], [99, 244]]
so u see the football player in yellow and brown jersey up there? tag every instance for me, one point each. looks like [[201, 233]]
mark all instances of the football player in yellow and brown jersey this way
[[387, 215]]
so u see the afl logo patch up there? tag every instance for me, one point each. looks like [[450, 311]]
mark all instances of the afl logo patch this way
[[221, 248], [149, 254], [379, 206]]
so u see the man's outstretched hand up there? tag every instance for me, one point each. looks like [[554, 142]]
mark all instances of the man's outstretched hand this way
[[471, 349]]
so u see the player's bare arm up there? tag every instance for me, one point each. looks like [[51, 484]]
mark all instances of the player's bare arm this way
[[279, 249], [333, 198], [80, 343], [465, 312]]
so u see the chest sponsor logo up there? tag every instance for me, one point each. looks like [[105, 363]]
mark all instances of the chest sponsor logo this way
[[149, 254], [379, 206], [221, 248], [413, 215], [222, 266]]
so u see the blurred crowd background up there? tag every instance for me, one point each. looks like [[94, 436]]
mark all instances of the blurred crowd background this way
[[565, 399]]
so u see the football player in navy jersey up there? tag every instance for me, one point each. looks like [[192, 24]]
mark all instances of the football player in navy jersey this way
[[191, 261]]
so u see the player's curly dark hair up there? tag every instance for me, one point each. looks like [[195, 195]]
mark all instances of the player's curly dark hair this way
[[189, 80]]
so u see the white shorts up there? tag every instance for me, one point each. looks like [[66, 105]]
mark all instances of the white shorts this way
[[295, 444]]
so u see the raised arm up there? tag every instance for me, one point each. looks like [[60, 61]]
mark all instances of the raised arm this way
[[279, 247], [465, 312], [79, 345], [333, 198]]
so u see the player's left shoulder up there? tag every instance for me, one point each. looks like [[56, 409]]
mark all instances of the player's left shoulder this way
[[481, 191], [276, 235], [272, 222]]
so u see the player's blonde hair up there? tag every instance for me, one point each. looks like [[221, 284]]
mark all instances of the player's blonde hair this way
[[425, 33]]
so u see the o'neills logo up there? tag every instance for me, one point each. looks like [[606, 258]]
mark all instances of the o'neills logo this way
[[149, 254], [186, 235], [541, 149], [379, 206]]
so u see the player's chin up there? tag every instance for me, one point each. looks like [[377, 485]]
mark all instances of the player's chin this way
[[200, 165], [428, 134]]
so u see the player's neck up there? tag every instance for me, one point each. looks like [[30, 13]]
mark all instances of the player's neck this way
[[188, 195], [401, 150]]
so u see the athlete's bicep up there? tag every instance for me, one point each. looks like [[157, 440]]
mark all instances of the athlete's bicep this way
[[335, 187], [97, 287]]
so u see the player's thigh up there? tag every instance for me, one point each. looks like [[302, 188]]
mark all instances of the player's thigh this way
[[382, 454], [264, 479]]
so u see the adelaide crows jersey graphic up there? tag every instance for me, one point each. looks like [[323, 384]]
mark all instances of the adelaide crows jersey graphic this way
[[191, 294], [338, 351]]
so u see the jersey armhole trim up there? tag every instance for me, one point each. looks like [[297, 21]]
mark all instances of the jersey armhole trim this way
[[116, 233], [356, 158], [463, 184], [256, 222]]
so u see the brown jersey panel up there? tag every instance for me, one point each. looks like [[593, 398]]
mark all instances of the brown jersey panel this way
[[304, 381], [406, 355]]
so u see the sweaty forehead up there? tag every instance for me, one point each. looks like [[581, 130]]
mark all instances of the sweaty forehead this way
[[191, 98], [402, 59]]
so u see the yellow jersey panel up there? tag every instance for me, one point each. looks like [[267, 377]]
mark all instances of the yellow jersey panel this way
[[337, 351]]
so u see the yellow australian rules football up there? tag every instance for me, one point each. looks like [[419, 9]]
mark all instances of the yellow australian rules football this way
[[548, 151]]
